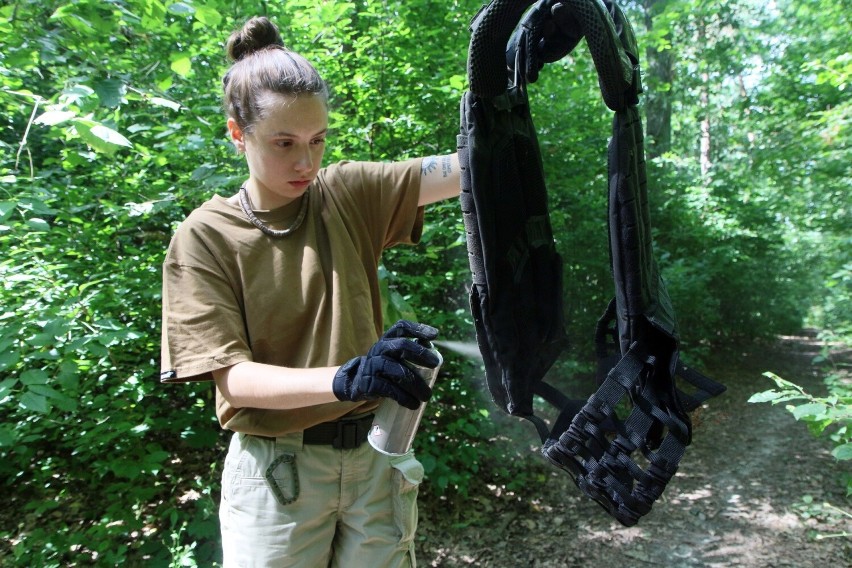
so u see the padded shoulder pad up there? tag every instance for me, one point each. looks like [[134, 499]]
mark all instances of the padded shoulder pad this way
[[516, 295]]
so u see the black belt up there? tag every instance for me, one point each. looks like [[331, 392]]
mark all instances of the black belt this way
[[341, 434]]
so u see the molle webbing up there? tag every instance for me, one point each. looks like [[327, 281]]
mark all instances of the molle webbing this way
[[516, 292]]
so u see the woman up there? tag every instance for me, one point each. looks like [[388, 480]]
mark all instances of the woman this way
[[273, 293]]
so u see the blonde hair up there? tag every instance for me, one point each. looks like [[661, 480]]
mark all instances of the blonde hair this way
[[262, 64]]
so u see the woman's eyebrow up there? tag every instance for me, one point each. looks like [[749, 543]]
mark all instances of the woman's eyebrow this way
[[291, 135]]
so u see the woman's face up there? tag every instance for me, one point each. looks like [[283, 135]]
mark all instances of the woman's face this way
[[284, 151]]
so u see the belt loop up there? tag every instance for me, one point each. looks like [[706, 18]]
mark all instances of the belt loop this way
[[347, 435]]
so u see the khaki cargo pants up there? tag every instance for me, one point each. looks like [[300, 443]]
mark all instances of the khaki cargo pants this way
[[285, 504]]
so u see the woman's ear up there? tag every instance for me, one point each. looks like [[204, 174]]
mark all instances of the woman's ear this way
[[236, 135]]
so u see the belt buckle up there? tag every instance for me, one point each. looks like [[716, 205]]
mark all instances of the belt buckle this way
[[346, 437]]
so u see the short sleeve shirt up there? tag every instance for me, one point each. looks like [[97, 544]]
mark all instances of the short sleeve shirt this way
[[310, 299]]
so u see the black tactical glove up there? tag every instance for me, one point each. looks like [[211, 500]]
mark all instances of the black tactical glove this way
[[382, 372], [547, 33]]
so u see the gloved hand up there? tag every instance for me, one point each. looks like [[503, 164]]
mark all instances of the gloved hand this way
[[547, 33], [382, 372]]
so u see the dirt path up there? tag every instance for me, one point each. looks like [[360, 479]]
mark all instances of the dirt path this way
[[737, 499]]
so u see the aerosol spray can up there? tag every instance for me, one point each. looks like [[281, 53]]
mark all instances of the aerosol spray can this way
[[395, 426]]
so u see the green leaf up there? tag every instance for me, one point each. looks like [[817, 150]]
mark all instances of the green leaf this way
[[817, 427], [429, 462], [843, 452], [153, 15], [182, 65], [126, 468], [38, 225], [35, 402], [156, 457], [101, 138], [62, 401], [68, 13], [110, 136], [6, 208], [808, 411], [202, 172], [159, 101], [765, 396], [458, 82], [54, 117], [46, 391], [7, 437], [110, 92], [76, 94], [208, 16], [181, 9], [35, 377], [6, 387], [165, 83]]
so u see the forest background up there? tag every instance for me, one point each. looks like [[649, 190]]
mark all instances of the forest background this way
[[113, 132]]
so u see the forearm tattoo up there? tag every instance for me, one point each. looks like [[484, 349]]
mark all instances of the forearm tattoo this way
[[446, 166], [430, 165]]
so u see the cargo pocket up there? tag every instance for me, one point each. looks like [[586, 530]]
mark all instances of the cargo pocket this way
[[283, 478], [407, 475]]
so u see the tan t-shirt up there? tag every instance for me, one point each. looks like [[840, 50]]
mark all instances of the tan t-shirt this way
[[311, 299]]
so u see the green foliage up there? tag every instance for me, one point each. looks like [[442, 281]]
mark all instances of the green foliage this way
[[829, 416], [113, 132], [823, 515], [89, 438]]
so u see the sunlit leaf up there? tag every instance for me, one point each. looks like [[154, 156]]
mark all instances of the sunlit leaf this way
[[54, 117], [76, 94], [208, 15], [458, 82], [182, 65], [101, 138], [153, 15], [165, 83], [38, 225], [181, 8], [110, 136], [765, 396], [159, 101]]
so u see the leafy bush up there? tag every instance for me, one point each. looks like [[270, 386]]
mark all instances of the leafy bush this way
[[829, 416]]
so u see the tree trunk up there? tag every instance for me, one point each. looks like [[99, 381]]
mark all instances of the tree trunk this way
[[659, 80], [704, 145]]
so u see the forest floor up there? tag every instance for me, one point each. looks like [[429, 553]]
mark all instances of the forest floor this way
[[755, 489]]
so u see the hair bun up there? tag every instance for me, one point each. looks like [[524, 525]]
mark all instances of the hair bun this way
[[257, 33]]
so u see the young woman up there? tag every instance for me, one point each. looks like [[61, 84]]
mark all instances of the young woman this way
[[273, 293]]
